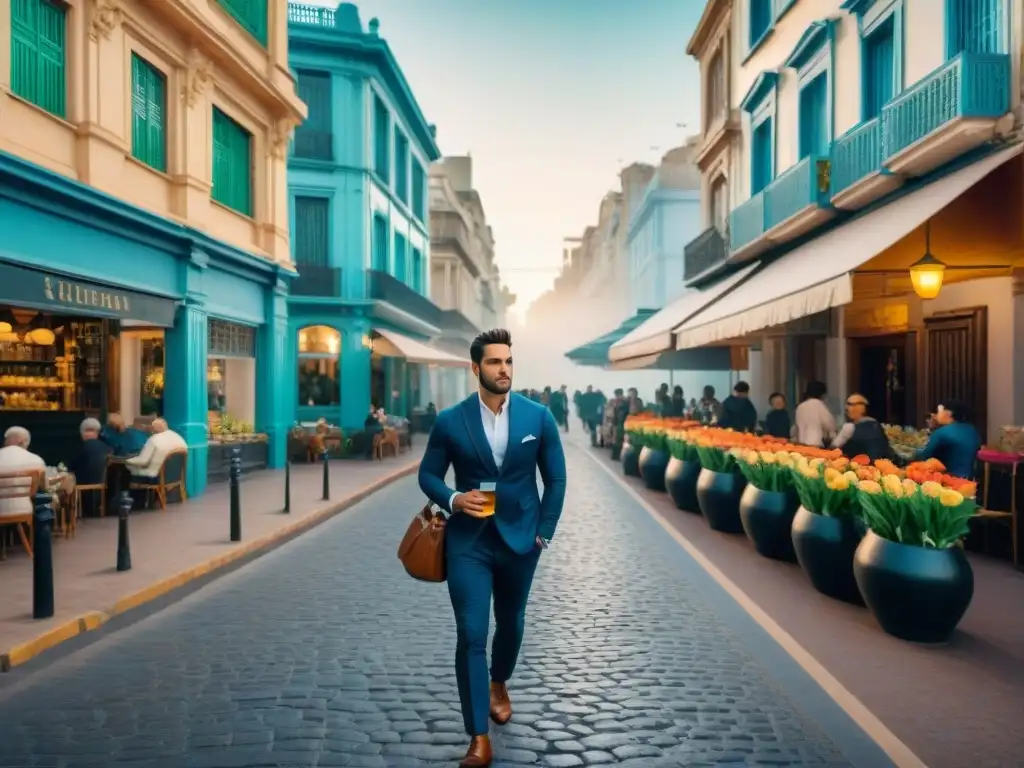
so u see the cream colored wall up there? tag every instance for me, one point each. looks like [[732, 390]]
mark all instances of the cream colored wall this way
[[209, 60], [924, 51], [996, 293], [240, 388]]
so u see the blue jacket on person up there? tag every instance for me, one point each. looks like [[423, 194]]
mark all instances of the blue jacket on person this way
[[956, 445], [521, 513]]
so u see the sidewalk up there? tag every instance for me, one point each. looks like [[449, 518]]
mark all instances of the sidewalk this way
[[953, 706], [170, 549]]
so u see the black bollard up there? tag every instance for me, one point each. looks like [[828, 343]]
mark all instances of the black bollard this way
[[42, 557], [236, 503], [327, 476], [287, 485], [124, 547]]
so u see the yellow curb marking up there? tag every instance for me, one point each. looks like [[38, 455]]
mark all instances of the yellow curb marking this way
[[900, 754], [91, 620]]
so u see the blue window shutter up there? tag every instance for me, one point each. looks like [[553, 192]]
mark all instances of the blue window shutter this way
[[312, 231], [761, 157], [417, 270], [379, 245], [314, 138], [400, 266], [976, 26], [879, 69], [760, 19], [814, 117]]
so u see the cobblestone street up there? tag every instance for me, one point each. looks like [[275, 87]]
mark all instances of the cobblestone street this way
[[324, 653]]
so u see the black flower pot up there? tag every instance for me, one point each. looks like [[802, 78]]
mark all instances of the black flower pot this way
[[681, 483], [914, 593], [767, 518], [653, 463], [630, 457], [824, 548], [718, 494]]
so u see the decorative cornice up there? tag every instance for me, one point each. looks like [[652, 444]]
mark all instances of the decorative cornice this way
[[280, 135], [817, 35], [714, 12], [762, 86], [198, 77], [104, 18]]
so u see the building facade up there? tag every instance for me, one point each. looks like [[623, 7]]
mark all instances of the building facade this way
[[465, 280], [145, 258], [870, 153], [666, 219], [360, 312]]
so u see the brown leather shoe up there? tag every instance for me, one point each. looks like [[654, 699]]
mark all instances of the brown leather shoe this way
[[501, 704], [479, 754]]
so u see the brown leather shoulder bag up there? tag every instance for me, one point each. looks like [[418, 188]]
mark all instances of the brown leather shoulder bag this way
[[422, 547]]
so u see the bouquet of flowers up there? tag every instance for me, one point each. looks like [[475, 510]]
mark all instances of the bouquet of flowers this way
[[768, 470], [826, 490]]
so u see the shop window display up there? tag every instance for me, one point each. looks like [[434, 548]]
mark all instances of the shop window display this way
[[319, 374]]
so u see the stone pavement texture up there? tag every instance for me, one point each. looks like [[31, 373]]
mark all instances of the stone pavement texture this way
[[167, 543], [324, 653]]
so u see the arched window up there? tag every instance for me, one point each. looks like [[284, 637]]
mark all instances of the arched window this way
[[319, 366]]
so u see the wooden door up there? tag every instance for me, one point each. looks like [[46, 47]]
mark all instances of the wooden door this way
[[955, 361]]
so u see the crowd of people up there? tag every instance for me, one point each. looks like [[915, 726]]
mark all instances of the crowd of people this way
[[954, 440]]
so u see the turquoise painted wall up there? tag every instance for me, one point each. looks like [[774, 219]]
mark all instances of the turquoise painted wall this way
[[53, 223]]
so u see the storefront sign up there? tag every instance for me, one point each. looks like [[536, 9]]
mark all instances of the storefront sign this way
[[54, 293]]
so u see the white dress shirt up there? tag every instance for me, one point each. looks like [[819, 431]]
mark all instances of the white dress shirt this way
[[14, 458], [154, 452], [496, 432], [814, 422]]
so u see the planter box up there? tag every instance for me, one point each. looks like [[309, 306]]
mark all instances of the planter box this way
[[254, 457]]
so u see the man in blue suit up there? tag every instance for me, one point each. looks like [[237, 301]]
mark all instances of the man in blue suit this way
[[499, 525]]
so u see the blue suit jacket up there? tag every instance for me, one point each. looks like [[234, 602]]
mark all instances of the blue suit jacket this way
[[458, 440]]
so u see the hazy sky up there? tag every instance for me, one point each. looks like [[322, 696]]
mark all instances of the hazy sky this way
[[551, 98]]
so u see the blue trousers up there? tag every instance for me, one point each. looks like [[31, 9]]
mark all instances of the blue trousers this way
[[487, 568]]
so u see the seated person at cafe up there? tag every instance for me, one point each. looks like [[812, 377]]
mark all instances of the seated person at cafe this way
[[90, 465], [146, 466], [955, 442], [125, 441], [15, 457]]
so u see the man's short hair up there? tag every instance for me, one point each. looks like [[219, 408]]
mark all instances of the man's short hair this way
[[493, 336], [18, 436], [158, 426], [89, 425], [741, 387]]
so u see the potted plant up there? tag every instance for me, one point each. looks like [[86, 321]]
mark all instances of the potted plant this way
[[682, 472], [630, 455], [653, 458], [826, 527], [910, 567], [769, 502], [719, 487]]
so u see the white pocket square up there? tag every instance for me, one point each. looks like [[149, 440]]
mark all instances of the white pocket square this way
[[528, 438]]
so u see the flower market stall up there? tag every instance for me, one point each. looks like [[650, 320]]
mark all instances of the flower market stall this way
[[871, 533]]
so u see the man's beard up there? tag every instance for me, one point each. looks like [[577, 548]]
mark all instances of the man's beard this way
[[495, 387]]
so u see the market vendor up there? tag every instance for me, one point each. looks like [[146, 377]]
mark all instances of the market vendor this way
[[862, 435], [955, 442]]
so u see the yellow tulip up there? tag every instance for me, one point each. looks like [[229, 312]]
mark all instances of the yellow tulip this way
[[767, 457], [838, 482], [851, 477], [751, 458], [931, 489], [950, 498], [869, 486], [910, 487], [892, 485], [832, 474], [816, 462]]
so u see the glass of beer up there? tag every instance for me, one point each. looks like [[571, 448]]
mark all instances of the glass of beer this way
[[489, 490]]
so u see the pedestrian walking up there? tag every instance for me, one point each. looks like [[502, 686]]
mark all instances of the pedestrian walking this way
[[498, 528]]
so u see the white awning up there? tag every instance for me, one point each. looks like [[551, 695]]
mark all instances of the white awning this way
[[707, 359], [391, 344], [655, 335], [818, 275]]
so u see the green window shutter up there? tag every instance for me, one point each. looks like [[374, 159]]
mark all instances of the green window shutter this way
[[419, 192], [380, 140], [401, 166], [379, 245], [149, 100], [417, 270], [251, 15], [312, 231], [38, 54], [400, 266], [232, 164]]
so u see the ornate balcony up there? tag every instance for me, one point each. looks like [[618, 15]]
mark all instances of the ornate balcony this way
[[389, 290], [956, 108], [858, 176], [746, 228], [798, 200], [321, 282], [702, 254]]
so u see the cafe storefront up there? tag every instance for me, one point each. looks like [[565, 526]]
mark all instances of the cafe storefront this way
[[107, 308]]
